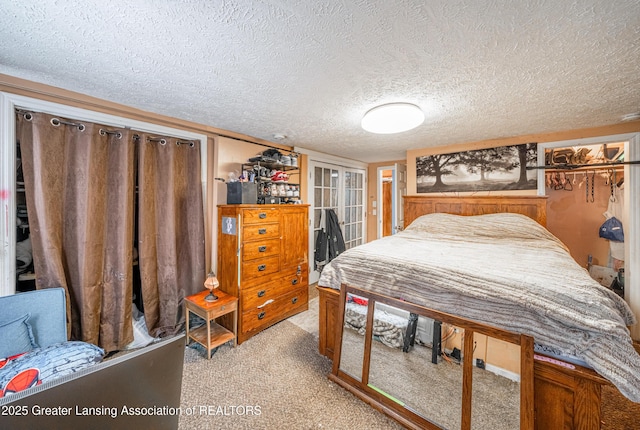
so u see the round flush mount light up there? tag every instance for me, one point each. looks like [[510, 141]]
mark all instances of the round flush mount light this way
[[392, 118]]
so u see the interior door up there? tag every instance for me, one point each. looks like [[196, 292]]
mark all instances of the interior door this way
[[353, 219], [343, 190], [400, 190]]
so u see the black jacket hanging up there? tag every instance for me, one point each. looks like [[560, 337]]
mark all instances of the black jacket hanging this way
[[334, 235], [320, 253], [329, 242]]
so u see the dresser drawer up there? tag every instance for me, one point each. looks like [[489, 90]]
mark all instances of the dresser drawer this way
[[260, 248], [294, 278], [260, 232], [259, 294], [274, 311], [260, 216], [259, 268]]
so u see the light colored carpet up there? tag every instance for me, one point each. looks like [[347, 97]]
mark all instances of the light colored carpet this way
[[308, 320], [279, 373]]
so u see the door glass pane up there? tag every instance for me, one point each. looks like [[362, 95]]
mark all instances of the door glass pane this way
[[353, 207], [317, 201], [327, 178], [334, 178], [318, 176]]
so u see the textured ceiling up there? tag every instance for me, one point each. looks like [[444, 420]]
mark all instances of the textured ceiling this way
[[309, 70]]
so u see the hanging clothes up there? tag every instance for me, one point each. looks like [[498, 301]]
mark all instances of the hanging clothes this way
[[616, 209], [334, 235], [329, 242], [320, 251]]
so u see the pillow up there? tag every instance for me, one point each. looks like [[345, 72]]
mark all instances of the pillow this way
[[16, 337], [45, 364]]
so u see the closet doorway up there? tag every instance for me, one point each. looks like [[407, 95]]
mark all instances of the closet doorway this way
[[392, 186], [342, 189], [83, 121], [581, 199]]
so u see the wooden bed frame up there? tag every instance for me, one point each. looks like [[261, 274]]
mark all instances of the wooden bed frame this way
[[565, 396]]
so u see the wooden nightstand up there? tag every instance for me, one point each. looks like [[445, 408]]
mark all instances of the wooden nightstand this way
[[211, 335]]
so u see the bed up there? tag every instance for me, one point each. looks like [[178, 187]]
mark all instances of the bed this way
[[565, 389]]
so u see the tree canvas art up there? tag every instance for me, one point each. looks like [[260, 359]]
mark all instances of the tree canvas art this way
[[490, 169]]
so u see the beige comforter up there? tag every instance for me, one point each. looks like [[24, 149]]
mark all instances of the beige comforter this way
[[504, 270]]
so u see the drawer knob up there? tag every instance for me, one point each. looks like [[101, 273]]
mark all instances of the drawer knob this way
[[262, 249], [262, 267], [261, 293], [294, 300], [262, 231], [299, 270], [261, 315], [294, 281], [262, 215]]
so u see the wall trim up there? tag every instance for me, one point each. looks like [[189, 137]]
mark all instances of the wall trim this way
[[330, 159]]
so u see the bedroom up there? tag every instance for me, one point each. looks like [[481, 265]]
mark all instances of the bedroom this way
[[14, 85]]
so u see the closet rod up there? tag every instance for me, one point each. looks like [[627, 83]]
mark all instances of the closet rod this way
[[577, 166]]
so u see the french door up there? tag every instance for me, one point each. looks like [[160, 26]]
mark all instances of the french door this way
[[343, 190]]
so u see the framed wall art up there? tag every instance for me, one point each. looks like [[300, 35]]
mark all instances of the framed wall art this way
[[490, 169]]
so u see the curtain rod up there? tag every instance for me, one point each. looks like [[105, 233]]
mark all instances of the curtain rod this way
[[291, 151], [578, 166]]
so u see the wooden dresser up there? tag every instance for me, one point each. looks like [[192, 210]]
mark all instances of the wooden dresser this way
[[263, 260]]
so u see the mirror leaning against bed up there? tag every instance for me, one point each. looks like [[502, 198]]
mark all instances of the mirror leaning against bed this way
[[394, 362]]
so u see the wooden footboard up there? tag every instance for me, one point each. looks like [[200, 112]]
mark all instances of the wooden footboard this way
[[566, 396]]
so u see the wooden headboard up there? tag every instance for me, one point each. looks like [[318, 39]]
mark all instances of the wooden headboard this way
[[534, 207]]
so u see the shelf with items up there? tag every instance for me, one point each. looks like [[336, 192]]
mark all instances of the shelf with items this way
[[272, 180], [284, 192]]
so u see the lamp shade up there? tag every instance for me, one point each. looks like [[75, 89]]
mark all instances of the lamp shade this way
[[392, 118]]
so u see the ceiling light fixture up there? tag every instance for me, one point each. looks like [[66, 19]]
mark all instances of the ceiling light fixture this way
[[392, 118]]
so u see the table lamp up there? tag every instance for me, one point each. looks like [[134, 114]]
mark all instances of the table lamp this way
[[211, 284]]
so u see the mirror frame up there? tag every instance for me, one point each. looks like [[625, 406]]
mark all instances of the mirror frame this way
[[405, 416]]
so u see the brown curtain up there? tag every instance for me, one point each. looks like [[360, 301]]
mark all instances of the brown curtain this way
[[79, 182], [171, 229]]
